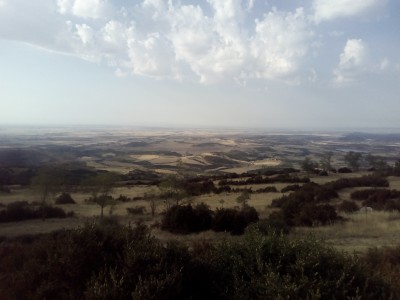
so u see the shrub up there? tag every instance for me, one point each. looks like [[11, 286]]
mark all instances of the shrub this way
[[275, 223], [47, 211], [368, 181], [292, 187], [123, 198], [348, 206], [21, 210], [268, 189], [378, 198], [137, 210], [345, 170], [233, 220], [110, 261], [65, 198], [311, 215], [186, 219]]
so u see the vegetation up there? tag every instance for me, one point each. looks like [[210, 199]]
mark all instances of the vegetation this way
[[22, 210], [352, 159], [273, 258], [348, 206], [65, 198], [380, 199], [114, 262]]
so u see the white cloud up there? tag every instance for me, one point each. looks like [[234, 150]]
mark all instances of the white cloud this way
[[84, 8], [3, 3], [326, 10], [85, 33], [280, 41], [384, 64], [353, 62], [167, 39]]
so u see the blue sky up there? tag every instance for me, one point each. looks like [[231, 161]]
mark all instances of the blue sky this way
[[309, 64]]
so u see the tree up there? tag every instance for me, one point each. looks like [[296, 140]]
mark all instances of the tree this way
[[308, 165], [243, 198], [151, 197], [326, 161], [376, 162], [352, 159], [172, 189], [396, 168], [47, 183], [100, 187]]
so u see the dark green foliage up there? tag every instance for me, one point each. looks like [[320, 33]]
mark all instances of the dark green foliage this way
[[65, 198], [380, 199], [137, 210], [345, 170], [268, 189], [186, 219], [258, 179], [385, 263], [380, 193], [275, 223], [303, 208], [123, 198], [289, 188], [233, 220], [348, 206], [21, 210], [116, 262], [312, 215], [368, 181], [352, 159], [21, 176], [308, 165]]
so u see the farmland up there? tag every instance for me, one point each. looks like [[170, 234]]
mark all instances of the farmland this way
[[202, 189]]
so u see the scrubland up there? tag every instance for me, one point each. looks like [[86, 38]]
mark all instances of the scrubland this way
[[132, 183]]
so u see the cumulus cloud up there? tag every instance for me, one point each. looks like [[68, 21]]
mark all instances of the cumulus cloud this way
[[170, 40], [84, 8], [281, 40], [327, 10], [353, 61], [209, 42]]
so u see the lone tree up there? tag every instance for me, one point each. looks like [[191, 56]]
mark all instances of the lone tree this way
[[243, 198], [172, 188], [352, 159], [47, 183], [100, 187], [326, 161], [308, 165], [151, 198]]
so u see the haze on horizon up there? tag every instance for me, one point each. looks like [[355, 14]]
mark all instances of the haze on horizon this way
[[233, 63]]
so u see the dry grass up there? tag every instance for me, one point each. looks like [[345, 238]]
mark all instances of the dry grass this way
[[360, 232]]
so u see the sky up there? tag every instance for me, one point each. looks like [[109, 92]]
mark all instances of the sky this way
[[281, 64]]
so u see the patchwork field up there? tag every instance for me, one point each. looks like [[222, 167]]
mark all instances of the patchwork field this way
[[143, 159]]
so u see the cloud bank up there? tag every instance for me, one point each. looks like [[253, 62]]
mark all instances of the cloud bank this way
[[215, 41]]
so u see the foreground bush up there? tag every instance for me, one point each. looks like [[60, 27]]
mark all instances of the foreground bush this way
[[116, 262]]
